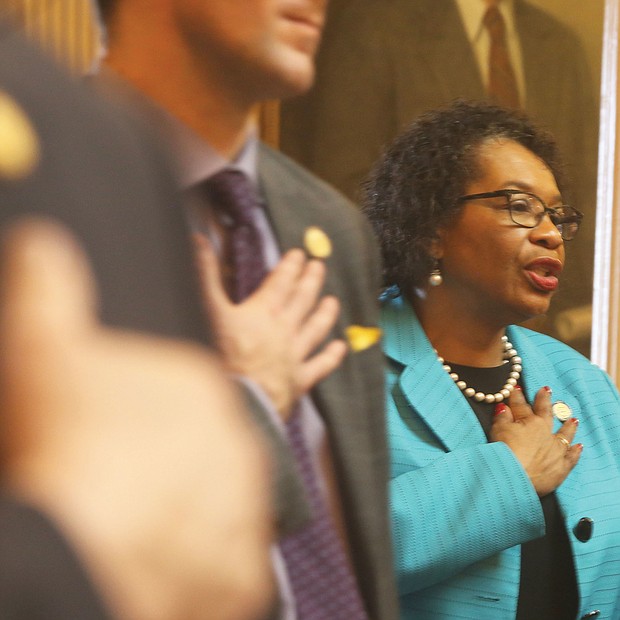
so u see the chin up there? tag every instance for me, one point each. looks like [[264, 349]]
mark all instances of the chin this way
[[292, 73], [533, 312]]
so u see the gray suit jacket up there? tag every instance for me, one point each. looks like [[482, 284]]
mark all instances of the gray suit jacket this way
[[351, 400], [383, 62]]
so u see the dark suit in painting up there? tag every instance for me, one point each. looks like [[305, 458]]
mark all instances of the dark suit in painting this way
[[383, 62]]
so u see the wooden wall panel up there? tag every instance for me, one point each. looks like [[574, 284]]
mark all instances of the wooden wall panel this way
[[65, 28]]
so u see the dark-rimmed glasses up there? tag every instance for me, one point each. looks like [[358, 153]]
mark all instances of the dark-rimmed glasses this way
[[528, 210]]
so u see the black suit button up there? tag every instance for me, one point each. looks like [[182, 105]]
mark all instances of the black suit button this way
[[593, 614], [583, 532]]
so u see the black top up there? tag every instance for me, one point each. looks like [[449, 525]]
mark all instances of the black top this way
[[548, 587]]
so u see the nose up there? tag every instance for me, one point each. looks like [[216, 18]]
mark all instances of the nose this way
[[546, 234]]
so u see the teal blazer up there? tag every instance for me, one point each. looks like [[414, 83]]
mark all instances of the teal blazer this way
[[461, 507]]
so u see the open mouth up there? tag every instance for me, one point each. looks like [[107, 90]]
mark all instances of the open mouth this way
[[544, 273], [307, 28]]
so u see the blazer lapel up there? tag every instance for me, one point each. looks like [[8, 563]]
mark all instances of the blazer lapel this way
[[280, 197], [426, 385], [538, 371]]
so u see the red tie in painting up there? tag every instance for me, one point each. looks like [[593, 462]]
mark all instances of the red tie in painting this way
[[502, 86]]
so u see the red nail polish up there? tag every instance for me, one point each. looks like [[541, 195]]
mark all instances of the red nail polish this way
[[574, 421], [547, 389], [518, 387], [579, 447], [500, 408]]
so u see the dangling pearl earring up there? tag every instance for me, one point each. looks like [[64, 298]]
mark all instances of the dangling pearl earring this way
[[435, 279]]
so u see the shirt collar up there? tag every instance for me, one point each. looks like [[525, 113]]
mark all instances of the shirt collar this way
[[472, 13], [197, 160]]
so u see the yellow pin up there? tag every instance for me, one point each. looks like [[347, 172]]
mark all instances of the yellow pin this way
[[360, 337], [19, 144], [317, 243]]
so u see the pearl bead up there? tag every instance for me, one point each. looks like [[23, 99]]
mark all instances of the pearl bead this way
[[511, 355], [435, 279]]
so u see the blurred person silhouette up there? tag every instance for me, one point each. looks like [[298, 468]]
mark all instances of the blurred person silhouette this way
[[112, 500]]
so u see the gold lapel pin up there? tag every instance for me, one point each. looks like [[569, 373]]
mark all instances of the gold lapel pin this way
[[317, 243], [19, 144], [561, 411], [360, 337]]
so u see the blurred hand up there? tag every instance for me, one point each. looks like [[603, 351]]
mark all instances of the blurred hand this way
[[273, 335], [546, 457], [136, 446]]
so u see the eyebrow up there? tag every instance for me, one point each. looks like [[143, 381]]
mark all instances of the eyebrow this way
[[526, 187]]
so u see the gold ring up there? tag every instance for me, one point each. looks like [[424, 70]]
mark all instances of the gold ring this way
[[564, 441]]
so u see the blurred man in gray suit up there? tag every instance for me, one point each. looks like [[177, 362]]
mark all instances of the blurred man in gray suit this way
[[205, 66]]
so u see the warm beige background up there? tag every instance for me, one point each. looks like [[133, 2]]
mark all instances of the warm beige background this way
[[66, 27]]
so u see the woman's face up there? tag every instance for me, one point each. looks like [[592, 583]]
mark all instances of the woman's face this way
[[491, 265]]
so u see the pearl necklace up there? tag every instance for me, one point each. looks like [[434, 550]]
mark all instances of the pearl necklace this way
[[515, 372]]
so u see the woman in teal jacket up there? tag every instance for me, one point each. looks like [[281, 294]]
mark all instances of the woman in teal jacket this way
[[499, 511]]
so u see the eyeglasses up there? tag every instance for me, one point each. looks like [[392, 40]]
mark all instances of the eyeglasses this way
[[528, 210]]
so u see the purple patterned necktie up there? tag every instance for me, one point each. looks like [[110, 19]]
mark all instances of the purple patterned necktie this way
[[234, 195], [321, 579]]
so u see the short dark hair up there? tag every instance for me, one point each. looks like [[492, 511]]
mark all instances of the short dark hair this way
[[414, 188]]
